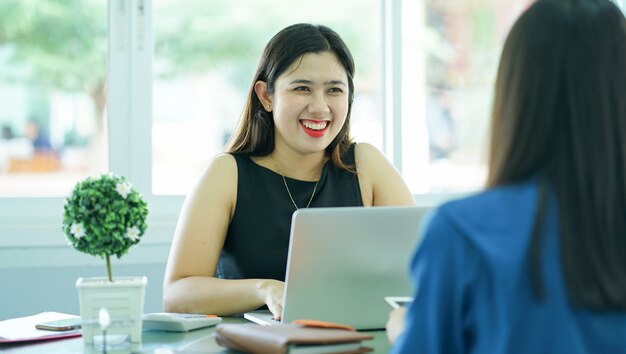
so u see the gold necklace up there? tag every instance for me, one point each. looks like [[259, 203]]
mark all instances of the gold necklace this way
[[280, 171]]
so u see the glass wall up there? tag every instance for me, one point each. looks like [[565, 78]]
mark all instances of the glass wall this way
[[53, 80], [451, 49], [52, 95], [178, 72]]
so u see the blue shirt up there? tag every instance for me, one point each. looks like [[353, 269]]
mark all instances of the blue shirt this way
[[473, 292]]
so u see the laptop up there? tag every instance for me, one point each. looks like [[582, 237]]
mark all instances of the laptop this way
[[344, 261]]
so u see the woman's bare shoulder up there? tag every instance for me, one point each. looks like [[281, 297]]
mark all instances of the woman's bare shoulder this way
[[222, 165], [219, 177], [366, 154]]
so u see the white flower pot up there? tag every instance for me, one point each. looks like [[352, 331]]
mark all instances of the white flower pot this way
[[123, 299]]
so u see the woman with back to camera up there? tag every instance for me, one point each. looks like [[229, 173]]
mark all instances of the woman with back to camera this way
[[292, 149], [537, 262]]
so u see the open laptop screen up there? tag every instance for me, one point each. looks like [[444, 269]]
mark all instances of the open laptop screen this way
[[343, 262]]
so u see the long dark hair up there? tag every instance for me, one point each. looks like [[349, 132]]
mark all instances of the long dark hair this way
[[560, 116], [255, 132]]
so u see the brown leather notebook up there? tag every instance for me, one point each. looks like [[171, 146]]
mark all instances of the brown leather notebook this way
[[289, 339]]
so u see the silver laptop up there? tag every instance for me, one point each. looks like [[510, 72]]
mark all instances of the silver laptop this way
[[343, 262]]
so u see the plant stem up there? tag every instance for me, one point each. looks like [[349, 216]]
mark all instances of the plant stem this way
[[109, 268]]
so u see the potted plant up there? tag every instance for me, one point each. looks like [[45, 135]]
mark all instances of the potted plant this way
[[105, 216]]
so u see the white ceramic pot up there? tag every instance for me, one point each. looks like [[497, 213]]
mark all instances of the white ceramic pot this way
[[123, 299]]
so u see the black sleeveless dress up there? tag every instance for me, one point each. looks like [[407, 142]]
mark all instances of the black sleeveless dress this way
[[257, 240]]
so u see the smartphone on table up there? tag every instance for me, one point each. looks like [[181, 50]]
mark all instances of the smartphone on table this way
[[399, 301], [67, 324]]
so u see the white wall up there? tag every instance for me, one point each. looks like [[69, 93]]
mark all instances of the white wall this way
[[28, 291], [38, 270]]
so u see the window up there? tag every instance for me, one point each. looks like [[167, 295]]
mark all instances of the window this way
[[450, 53], [52, 95], [177, 72]]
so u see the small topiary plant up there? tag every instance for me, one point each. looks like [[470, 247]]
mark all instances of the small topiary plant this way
[[104, 216]]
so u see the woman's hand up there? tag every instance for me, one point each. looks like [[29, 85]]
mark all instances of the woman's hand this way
[[271, 292], [395, 324]]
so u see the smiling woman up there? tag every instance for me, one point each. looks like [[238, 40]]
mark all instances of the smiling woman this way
[[315, 90], [291, 149]]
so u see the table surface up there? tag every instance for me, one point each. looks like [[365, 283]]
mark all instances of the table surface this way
[[159, 342]]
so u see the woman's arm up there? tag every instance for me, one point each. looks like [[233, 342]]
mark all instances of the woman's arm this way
[[190, 285], [381, 184], [441, 269]]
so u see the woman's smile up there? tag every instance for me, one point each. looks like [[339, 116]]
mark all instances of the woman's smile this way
[[315, 128]]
